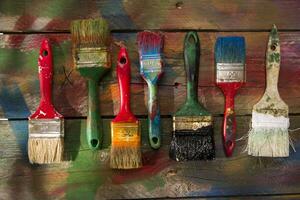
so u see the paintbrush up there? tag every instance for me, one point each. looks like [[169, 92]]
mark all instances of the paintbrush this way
[[125, 131], [192, 123], [150, 46], [91, 43], [269, 135], [230, 56], [46, 125]]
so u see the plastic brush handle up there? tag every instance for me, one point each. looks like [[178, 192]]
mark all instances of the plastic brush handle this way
[[94, 136], [154, 116], [191, 63], [123, 74], [45, 67]]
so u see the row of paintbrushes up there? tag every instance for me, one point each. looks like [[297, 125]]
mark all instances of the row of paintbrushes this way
[[192, 123]]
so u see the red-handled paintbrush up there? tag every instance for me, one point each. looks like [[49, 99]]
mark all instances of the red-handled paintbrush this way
[[46, 125], [126, 137], [230, 56]]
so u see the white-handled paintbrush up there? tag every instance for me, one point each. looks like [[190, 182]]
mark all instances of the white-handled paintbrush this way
[[270, 122]]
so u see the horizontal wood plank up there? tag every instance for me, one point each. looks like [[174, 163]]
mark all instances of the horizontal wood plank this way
[[20, 89], [86, 174], [49, 15]]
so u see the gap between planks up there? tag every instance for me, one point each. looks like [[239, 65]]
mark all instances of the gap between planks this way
[[161, 30]]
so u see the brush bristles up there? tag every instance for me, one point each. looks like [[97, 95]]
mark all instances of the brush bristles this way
[[45, 150], [269, 135], [90, 32], [125, 157], [268, 142], [193, 145], [149, 43], [230, 50]]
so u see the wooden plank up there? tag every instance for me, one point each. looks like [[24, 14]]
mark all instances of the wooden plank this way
[[56, 15], [86, 174], [20, 91]]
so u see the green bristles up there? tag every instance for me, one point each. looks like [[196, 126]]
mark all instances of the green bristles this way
[[230, 50], [90, 32]]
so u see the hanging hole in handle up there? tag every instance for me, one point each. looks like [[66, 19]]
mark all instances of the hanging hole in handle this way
[[45, 53], [123, 60], [155, 140], [229, 143], [94, 143], [273, 47], [192, 39]]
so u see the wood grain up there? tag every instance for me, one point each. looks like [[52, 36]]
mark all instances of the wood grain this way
[[88, 174], [20, 93], [49, 15]]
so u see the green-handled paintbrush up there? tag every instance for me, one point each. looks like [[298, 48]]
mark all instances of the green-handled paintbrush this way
[[91, 42], [192, 123], [269, 135]]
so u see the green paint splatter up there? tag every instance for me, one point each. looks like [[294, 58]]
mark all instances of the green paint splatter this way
[[275, 57], [86, 173], [153, 183]]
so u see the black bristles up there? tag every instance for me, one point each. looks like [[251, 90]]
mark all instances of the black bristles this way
[[230, 50], [193, 145]]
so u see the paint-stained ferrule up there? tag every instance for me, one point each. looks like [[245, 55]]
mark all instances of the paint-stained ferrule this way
[[231, 72], [193, 123], [92, 57], [125, 133], [151, 63], [46, 128]]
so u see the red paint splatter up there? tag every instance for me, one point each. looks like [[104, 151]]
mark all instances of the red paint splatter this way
[[23, 23], [153, 163]]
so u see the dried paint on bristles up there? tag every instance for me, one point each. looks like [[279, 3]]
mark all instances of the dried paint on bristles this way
[[150, 42], [90, 32], [230, 50]]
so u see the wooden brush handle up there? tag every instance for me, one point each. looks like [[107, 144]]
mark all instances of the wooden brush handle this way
[[45, 67], [273, 63], [229, 123], [154, 116], [45, 72], [123, 74], [94, 132], [191, 63]]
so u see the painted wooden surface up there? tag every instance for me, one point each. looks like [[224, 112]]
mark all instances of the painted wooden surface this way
[[86, 175], [55, 15], [19, 53]]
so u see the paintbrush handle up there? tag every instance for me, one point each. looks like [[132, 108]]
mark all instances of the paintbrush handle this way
[[94, 132], [191, 63], [123, 74], [229, 123], [272, 65], [153, 116], [45, 72], [46, 109]]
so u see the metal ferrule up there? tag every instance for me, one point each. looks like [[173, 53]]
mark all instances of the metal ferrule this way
[[231, 72], [191, 122], [125, 131], [151, 63], [92, 57], [46, 128]]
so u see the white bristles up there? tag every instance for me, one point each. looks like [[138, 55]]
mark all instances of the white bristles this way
[[269, 136]]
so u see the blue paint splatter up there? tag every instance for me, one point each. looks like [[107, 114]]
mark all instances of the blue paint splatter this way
[[14, 106], [109, 9]]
